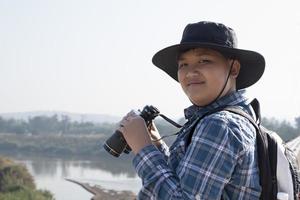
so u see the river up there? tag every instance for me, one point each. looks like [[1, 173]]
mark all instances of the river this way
[[107, 171]]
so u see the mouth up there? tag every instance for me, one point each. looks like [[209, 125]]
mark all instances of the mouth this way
[[195, 83]]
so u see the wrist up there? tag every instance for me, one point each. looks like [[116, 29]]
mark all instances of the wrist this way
[[138, 148], [158, 143]]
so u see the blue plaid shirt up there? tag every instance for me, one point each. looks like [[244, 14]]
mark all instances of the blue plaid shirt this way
[[220, 161]]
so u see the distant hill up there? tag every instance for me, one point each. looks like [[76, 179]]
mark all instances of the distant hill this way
[[95, 118]]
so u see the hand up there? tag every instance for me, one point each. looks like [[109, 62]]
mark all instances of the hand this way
[[135, 132], [154, 135]]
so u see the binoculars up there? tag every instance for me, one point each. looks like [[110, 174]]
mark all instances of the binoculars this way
[[116, 144]]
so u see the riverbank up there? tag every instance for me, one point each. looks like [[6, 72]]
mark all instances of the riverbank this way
[[17, 183], [104, 194], [110, 173]]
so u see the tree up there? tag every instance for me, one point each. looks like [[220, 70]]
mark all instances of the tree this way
[[65, 124], [283, 128], [297, 120], [43, 125]]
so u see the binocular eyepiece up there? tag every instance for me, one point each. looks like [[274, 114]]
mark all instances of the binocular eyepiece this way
[[116, 144]]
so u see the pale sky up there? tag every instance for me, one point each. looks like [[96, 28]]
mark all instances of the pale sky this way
[[94, 56]]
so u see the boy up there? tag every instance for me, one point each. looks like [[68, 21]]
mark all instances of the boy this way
[[215, 157]]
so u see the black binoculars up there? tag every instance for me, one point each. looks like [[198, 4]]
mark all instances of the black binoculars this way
[[116, 144]]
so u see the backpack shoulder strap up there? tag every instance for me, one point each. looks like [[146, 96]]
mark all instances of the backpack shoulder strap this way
[[266, 150], [256, 107], [191, 131], [239, 111], [232, 109], [267, 154]]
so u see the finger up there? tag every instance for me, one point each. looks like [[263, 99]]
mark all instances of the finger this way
[[123, 122], [121, 128], [129, 115], [133, 116], [133, 113], [154, 127], [150, 127]]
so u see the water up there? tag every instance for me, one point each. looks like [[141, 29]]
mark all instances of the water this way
[[110, 173]]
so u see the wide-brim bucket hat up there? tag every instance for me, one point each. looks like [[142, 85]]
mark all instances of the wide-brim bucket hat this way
[[218, 37]]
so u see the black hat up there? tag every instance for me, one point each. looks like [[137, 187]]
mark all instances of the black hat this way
[[218, 37]]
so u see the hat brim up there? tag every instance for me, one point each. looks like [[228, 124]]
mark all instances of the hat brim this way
[[252, 63]]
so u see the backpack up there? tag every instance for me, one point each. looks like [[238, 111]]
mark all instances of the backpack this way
[[278, 165]]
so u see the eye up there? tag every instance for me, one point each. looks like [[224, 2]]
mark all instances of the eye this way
[[204, 61], [182, 64]]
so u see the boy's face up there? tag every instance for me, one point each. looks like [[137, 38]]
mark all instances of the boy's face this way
[[202, 74]]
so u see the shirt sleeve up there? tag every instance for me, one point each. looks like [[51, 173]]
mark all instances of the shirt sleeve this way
[[203, 172]]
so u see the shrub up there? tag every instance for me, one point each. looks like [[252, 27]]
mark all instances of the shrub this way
[[16, 183]]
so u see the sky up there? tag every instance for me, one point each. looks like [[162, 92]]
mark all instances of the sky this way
[[94, 56]]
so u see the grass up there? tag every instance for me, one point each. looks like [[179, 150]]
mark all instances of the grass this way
[[16, 183]]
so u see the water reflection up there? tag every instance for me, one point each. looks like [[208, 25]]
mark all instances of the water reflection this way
[[115, 166], [104, 170]]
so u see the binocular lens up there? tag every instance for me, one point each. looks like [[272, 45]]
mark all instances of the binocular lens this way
[[116, 144]]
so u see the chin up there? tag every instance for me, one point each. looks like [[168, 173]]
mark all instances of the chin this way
[[200, 104]]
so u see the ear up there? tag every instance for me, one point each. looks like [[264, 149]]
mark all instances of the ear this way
[[235, 70]]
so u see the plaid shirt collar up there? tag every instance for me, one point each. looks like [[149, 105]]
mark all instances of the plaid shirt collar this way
[[234, 98]]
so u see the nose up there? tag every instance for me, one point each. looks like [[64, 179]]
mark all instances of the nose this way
[[192, 71]]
